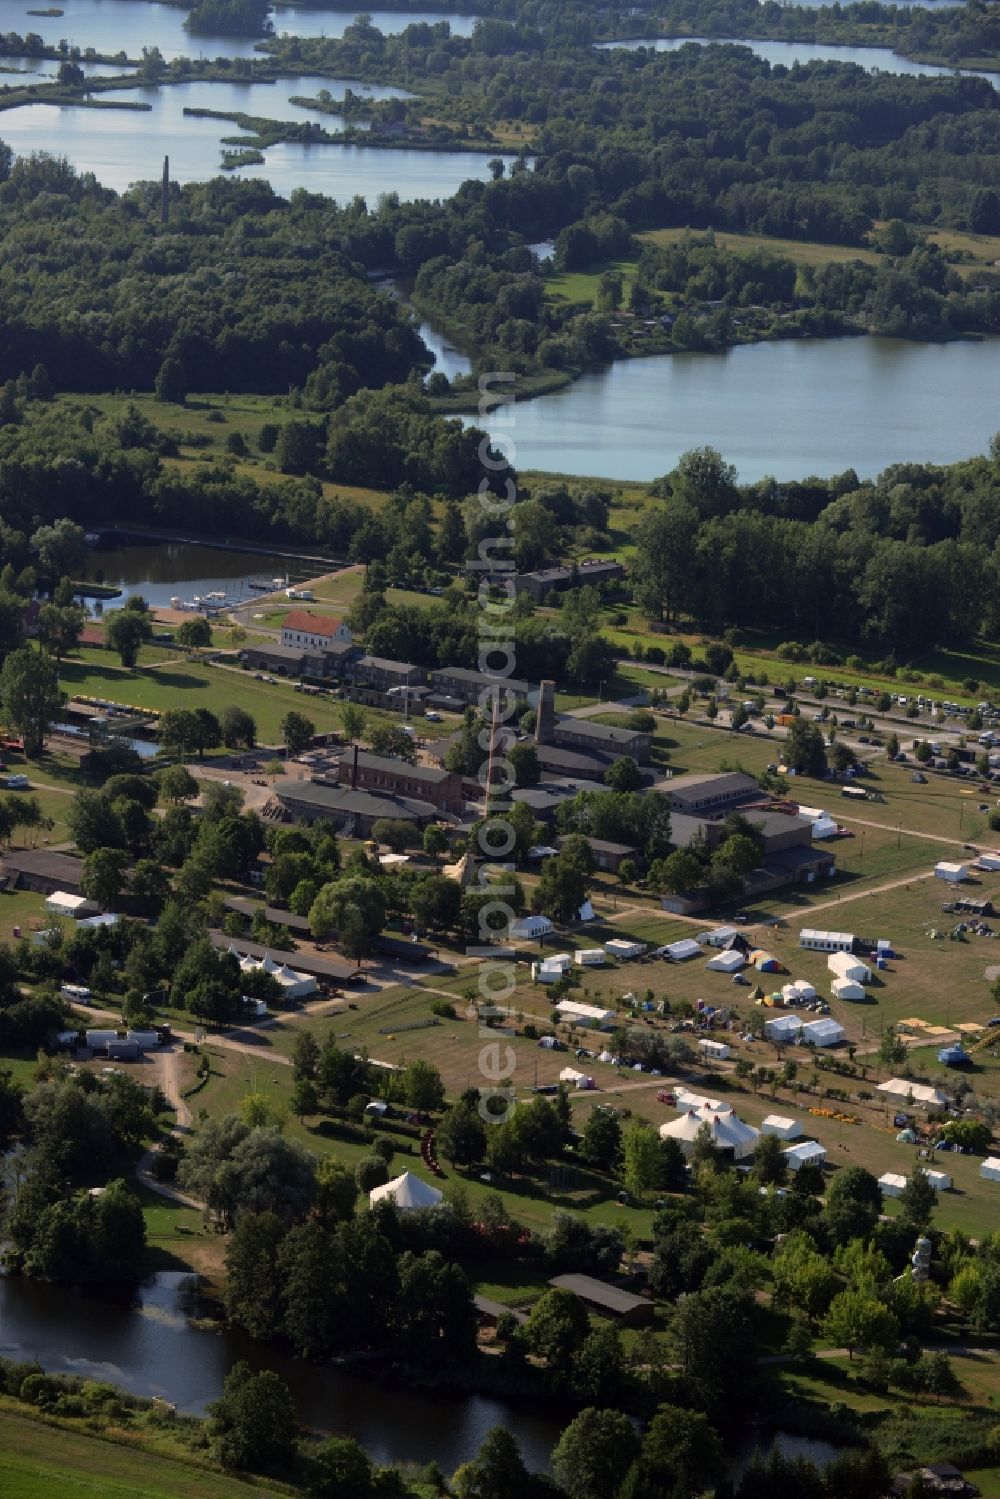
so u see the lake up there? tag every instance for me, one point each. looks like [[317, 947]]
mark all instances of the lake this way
[[121, 147], [160, 571], [112, 26], [150, 1349], [789, 53], [788, 409]]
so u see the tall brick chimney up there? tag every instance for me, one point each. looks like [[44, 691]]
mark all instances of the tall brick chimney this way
[[354, 770], [545, 714]]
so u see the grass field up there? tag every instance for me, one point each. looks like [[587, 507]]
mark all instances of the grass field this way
[[802, 252]]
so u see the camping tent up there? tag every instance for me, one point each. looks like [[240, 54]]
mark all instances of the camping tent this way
[[766, 962], [892, 1184], [726, 962], [782, 1126], [808, 1152], [728, 1133], [406, 1193], [990, 1168], [847, 989], [824, 1032]]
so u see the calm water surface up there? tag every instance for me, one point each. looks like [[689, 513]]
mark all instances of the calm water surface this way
[[788, 409], [150, 1350], [112, 26], [789, 53], [168, 569]]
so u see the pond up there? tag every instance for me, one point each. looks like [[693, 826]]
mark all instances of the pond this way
[[151, 1349], [161, 571], [121, 147], [112, 26], [871, 59], [789, 408]]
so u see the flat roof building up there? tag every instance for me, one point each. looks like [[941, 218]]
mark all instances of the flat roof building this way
[[707, 795], [350, 810]]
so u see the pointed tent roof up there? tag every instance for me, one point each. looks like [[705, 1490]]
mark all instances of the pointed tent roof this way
[[406, 1192], [727, 1131]]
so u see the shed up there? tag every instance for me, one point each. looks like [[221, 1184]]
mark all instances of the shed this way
[[726, 962], [782, 1028], [64, 903], [845, 966], [892, 1184], [98, 1040], [406, 1193], [717, 1050], [122, 1050], [634, 1311], [990, 1169], [782, 1126], [847, 989], [589, 957], [825, 1032], [680, 952], [939, 1180], [808, 1152], [953, 873], [621, 948], [144, 1040]]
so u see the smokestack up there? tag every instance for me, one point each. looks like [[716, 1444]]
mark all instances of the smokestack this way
[[165, 192], [545, 714], [354, 771]]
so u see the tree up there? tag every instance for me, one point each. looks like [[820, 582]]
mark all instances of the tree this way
[[254, 1423], [391, 741], [496, 1472], [423, 1087], [238, 728], [918, 1199], [171, 382], [857, 1319], [353, 721], [624, 775], [176, 784], [371, 1171], [336, 1189], [30, 696], [339, 1468], [352, 906], [681, 1453], [770, 1166], [556, 1328], [562, 888], [595, 1449], [305, 1056], [60, 627], [461, 1136], [252, 1289], [640, 1158], [125, 630], [297, 732], [805, 751], [103, 876], [523, 761], [678, 872], [435, 840], [194, 633], [602, 1140], [436, 904]]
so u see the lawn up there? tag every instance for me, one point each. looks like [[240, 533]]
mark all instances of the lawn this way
[[802, 252], [39, 1459]]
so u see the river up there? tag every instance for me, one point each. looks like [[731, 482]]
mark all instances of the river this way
[[113, 26], [151, 1349], [788, 408], [872, 59]]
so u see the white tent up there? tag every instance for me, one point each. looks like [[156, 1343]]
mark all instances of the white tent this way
[[577, 1079], [990, 1168], [824, 1032], [782, 1126], [846, 966], [622, 948], [586, 912], [589, 957], [847, 989], [727, 1132], [824, 827], [719, 936], [953, 873], [679, 952], [575, 1013], [726, 962], [718, 1050], [892, 1184], [905, 1091], [939, 1180], [406, 1192], [782, 1027], [808, 1152], [62, 903], [531, 926], [687, 1100]]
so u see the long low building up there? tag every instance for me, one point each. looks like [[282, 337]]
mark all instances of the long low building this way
[[350, 809], [326, 970], [903, 1090], [363, 771], [42, 870], [634, 1311]]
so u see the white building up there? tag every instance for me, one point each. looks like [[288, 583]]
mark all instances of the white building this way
[[717, 1050], [892, 1184], [799, 992], [990, 1169], [302, 627], [781, 1126], [719, 936], [819, 941], [782, 1027], [825, 1032], [809, 1151], [574, 1013], [680, 952], [845, 966], [903, 1090], [847, 989], [939, 1180], [589, 957], [621, 948], [62, 903], [953, 873], [730, 961], [530, 926]]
